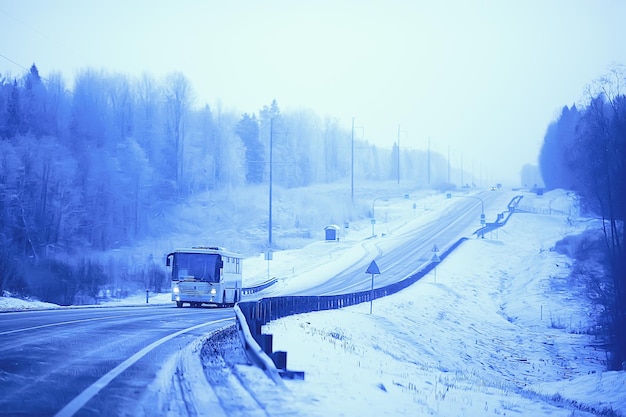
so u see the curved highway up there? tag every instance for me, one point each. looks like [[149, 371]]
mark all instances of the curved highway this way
[[91, 361], [409, 247]]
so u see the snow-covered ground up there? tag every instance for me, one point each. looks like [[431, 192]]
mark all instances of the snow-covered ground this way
[[501, 331], [8, 303]]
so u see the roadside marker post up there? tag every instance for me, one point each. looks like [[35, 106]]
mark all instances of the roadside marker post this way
[[436, 259]]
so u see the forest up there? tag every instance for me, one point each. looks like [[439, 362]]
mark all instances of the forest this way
[[584, 150], [94, 168]]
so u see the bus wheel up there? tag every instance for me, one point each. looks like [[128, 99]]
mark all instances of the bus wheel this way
[[179, 304]]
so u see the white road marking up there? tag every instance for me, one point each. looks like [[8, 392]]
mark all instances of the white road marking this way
[[61, 324], [81, 399]]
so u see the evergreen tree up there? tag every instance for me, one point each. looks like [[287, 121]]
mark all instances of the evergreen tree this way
[[248, 131], [13, 116], [559, 143]]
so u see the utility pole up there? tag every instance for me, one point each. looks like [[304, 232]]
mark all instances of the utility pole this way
[[352, 165], [398, 153], [269, 240], [448, 164], [352, 159], [398, 162], [429, 160], [462, 183]]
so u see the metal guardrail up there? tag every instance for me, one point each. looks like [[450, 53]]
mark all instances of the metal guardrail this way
[[252, 315], [501, 220], [252, 348], [257, 288]]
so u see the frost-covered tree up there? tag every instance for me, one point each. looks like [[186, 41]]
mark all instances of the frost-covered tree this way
[[530, 175], [599, 163], [558, 144], [178, 98], [248, 131], [306, 147], [274, 135], [335, 145]]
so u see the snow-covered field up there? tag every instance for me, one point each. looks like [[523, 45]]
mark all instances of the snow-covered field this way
[[501, 331], [498, 333]]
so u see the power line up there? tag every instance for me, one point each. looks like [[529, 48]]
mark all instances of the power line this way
[[54, 42], [28, 69], [52, 83], [13, 62], [27, 26]]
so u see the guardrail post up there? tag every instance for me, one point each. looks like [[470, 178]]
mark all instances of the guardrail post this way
[[266, 341], [280, 359]]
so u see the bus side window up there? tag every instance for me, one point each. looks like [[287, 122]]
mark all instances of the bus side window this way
[[219, 264]]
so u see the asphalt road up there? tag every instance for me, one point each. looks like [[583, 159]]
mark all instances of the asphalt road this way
[[92, 361], [408, 248]]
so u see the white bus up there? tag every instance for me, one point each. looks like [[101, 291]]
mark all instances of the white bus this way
[[205, 275]]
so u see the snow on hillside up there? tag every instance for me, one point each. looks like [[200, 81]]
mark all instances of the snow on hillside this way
[[498, 333], [9, 303]]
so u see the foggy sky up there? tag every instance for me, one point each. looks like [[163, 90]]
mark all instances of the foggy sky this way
[[480, 78]]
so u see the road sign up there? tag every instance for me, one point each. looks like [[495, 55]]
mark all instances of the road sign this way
[[435, 258], [435, 248], [373, 268]]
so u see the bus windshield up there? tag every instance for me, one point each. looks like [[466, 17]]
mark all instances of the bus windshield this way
[[200, 266]]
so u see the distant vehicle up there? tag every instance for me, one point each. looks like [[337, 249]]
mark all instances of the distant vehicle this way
[[205, 275], [493, 188]]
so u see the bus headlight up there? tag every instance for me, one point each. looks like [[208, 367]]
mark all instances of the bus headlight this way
[[213, 292], [176, 290]]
